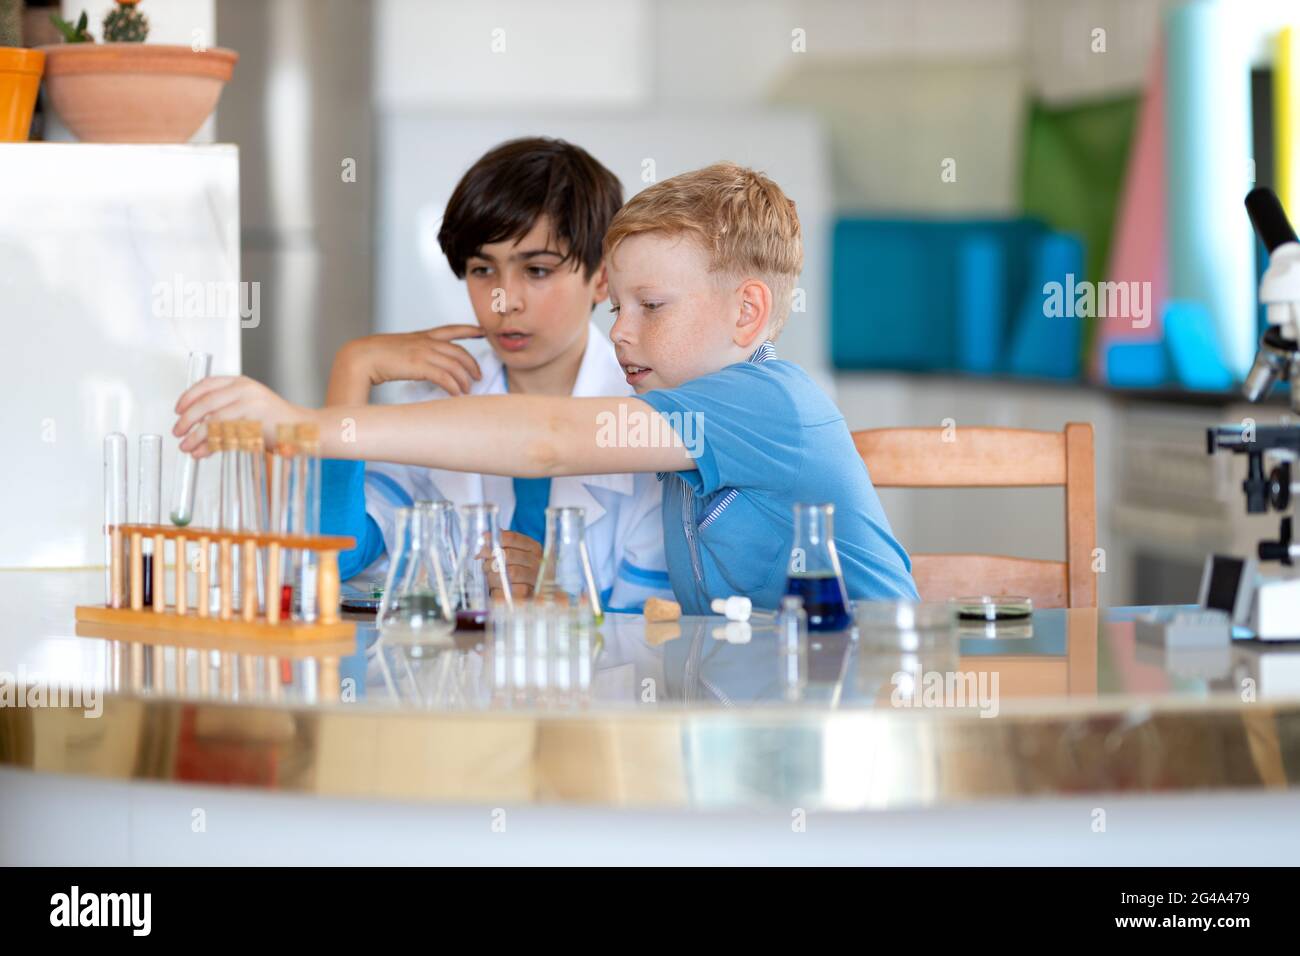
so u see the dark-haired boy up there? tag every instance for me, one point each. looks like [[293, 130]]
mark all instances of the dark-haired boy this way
[[524, 228]]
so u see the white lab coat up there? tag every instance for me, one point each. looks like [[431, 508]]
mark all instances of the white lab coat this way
[[624, 526]]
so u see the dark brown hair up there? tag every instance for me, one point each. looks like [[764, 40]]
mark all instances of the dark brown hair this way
[[504, 194]]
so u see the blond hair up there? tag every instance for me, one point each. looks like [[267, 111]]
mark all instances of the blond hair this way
[[743, 220]]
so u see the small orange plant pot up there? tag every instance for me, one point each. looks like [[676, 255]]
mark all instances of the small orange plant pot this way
[[20, 78]]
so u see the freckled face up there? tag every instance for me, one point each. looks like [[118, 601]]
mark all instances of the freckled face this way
[[675, 318], [533, 308]]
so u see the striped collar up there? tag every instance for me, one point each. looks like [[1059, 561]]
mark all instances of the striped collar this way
[[763, 353]]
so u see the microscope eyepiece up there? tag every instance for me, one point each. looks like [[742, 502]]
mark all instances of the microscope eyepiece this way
[[1269, 218]]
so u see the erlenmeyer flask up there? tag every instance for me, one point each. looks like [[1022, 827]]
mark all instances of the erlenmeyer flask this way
[[417, 603], [814, 569], [566, 563], [480, 566], [442, 515]]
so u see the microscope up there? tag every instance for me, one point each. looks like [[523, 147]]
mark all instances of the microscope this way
[[1272, 602]]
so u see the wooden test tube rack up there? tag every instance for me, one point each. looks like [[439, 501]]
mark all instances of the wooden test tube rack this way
[[126, 605]]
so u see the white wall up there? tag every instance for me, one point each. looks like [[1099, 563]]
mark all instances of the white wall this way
[[90, 348], [735, 52], [186, 22], [510, 54]]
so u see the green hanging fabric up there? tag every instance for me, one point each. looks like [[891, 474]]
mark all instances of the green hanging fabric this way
[[1073, 175]]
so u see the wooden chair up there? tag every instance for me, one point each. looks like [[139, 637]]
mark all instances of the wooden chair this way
[[989, 458]]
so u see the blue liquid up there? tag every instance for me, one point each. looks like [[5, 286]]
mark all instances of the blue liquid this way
[[823, 600]]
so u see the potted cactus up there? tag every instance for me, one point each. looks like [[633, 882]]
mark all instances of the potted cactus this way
[[20, 75], [125, 90], [125, 23]]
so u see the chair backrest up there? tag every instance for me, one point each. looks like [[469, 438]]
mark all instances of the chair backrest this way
[[988, 458]]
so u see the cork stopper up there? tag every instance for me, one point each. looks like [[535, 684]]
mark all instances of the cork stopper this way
[[216, 436], [308, 435], [249, 431], [285, 443]]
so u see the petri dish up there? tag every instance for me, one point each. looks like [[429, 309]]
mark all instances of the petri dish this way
[[997, 630], [994, 607]]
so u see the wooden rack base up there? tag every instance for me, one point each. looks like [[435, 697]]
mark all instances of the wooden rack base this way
[[191, 623], [258, 645], [125, 606]]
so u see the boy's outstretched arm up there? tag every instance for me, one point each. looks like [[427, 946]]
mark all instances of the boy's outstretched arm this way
[[523, 436]]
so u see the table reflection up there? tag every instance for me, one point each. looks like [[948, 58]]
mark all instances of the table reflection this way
[[206, 673], [701, 662]]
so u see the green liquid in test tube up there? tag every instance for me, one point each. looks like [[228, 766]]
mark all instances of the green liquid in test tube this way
[[187, 467]]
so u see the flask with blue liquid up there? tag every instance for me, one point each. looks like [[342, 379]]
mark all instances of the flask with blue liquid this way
[[814, 569]]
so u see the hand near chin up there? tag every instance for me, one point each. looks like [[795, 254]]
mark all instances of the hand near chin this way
[[225, 398], [430, 355]]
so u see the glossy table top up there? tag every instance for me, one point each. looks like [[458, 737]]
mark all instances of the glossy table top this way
[[680, 714]]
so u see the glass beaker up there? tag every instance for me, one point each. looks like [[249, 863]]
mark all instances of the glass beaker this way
[[814, 569], [480, 566], [187, 466], [417, 603], [566, 563]]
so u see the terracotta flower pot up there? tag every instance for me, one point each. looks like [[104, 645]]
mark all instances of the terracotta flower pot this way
[[20, 78], [134, 92]]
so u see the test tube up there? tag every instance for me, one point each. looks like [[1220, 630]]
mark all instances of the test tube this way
[[308, 497], [147, 504], [209, 565], [187, 466], [231, 515], [283, 509], [115, 566], [252, 491]]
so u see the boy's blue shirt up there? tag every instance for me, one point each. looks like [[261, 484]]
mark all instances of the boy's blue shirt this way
[[768, 438], [343, 512]]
